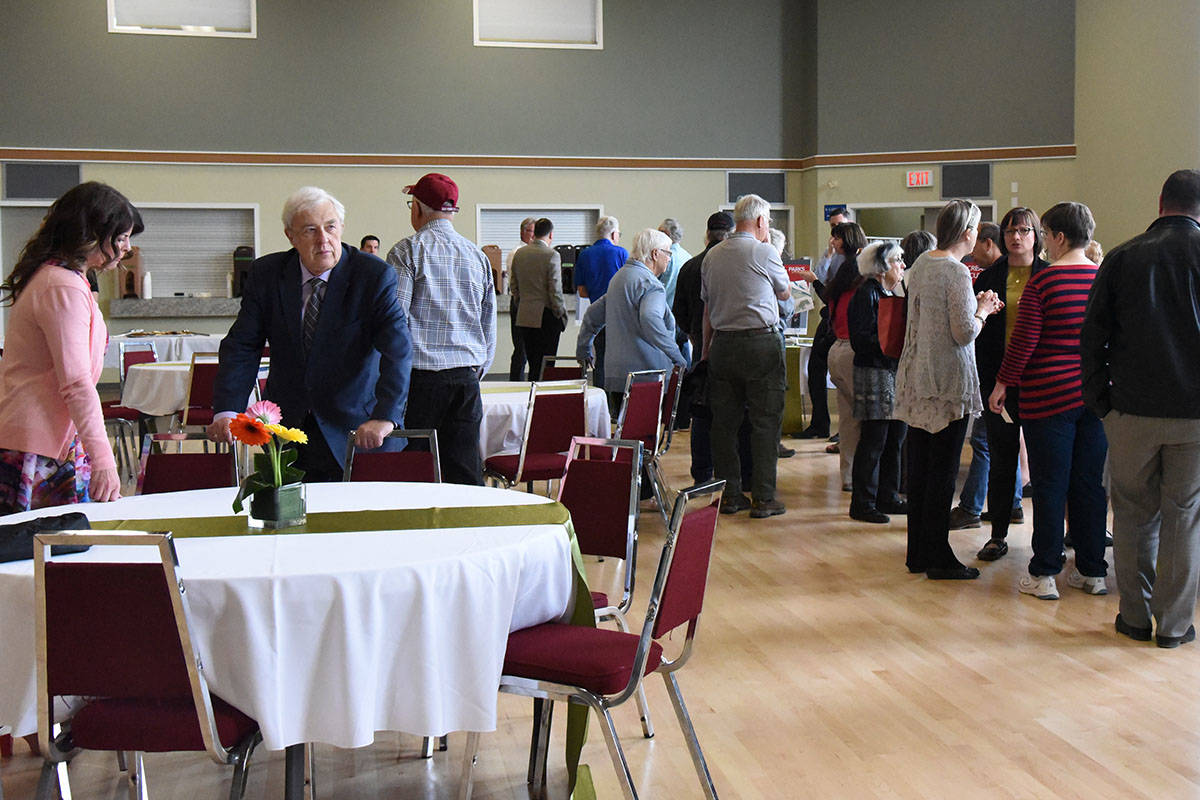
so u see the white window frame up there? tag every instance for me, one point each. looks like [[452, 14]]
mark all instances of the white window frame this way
[[185, 30], [597, 43]]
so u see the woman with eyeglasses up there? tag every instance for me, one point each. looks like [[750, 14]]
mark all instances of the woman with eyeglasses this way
[[876, 474], [53, 448], [1067, 446], [1020, 243], [847, 240], [937, 386], [634, 312]]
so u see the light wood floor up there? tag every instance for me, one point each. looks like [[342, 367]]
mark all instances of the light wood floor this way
[[824, 670]]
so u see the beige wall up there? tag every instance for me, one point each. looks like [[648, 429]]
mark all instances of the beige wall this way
[[375, 202], [1137, 107]]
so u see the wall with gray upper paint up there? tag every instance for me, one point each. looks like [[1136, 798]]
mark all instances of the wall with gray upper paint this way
[[899, 75], [702, 78]]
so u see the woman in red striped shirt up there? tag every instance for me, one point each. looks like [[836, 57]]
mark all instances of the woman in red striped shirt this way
[[1066, 441]]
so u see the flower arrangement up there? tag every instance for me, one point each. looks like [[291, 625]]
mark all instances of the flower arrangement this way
[[274, 466]]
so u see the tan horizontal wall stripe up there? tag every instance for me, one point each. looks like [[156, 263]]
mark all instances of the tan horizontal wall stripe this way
[[530, 162]]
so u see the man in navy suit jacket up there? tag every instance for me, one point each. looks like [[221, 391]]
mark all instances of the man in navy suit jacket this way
[[352, 377]]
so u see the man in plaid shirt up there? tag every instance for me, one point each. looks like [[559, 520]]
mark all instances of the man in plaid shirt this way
[[446, 290]]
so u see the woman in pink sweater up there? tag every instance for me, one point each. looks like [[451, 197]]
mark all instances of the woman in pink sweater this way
[[53, 448]]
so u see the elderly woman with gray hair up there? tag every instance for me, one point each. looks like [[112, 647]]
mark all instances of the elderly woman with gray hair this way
[[635, 313], [876, 469]]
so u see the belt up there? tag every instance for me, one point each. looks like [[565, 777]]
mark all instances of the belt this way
[[748, 331]]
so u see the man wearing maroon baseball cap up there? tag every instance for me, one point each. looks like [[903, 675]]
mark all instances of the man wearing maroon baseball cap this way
[[446, 290], [435, 190]]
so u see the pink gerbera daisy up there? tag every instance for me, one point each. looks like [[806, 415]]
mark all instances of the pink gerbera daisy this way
[[265, 411]]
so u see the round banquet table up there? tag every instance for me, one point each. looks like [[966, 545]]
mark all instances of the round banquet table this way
[[332, 637], [505, 406], [169, 346], [161, 388]]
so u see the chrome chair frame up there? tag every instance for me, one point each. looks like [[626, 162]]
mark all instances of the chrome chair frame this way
[[617, 612], [550, 361], [126, 430], [534, 389], [54, 740], [657, 483], [182, 414], [602, 704], [151, 439], [401, 433]]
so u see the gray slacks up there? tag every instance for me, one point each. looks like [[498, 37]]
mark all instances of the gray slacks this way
[[1155, 472]]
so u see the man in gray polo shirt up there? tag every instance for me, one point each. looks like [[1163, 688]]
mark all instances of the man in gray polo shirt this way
[[741, 280]]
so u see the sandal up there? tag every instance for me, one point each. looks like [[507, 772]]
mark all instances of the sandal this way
[[994, 549]]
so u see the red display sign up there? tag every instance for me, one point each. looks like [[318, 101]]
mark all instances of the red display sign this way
[[919, 178]]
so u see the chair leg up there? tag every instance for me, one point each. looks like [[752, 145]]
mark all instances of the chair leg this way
[[616, 753], [237, 789], [539, 746], [642, 704], [136, 778], [50, 784], [659, 487], [689, 733], [466, 782], [427, 747], [293, 771]]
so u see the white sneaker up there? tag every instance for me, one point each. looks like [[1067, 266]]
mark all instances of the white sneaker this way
[[1078, 580], [1042, 587]]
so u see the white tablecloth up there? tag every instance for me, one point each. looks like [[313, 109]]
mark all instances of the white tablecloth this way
[[505, 404], [160, 389], [332, 637], [175, 347]]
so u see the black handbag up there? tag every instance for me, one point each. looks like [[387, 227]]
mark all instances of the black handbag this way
[[16, 540]]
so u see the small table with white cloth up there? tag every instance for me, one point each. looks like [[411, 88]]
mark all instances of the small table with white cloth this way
[[170, 345], [330, 637], [506, 404], [160, 389]]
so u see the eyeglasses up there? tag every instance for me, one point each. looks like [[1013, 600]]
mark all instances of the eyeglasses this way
[[1024, 230], [408, 203]]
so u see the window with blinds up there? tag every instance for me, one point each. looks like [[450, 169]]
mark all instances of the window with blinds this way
[[502, 226], [189, 251]]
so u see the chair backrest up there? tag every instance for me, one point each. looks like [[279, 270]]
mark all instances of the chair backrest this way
[[677, 596], [173, 472], [600, 489], [87, 643], [202, 380], [670, 407], [563, 368], [641, 410], [130, 353], [557, 412], [419, 461]]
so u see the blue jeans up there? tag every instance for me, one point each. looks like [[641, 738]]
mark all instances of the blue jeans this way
[[974, 490], [1066, 456]]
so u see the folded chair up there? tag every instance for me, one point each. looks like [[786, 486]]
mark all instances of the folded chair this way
[[641, 419], [141, 676], [556, 412], [410, 464], [163, 471], [603, 668]]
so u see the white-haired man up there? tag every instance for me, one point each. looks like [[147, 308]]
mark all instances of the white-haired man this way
[[340, 349], [742, 281], [595, 266], [446, 289]]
